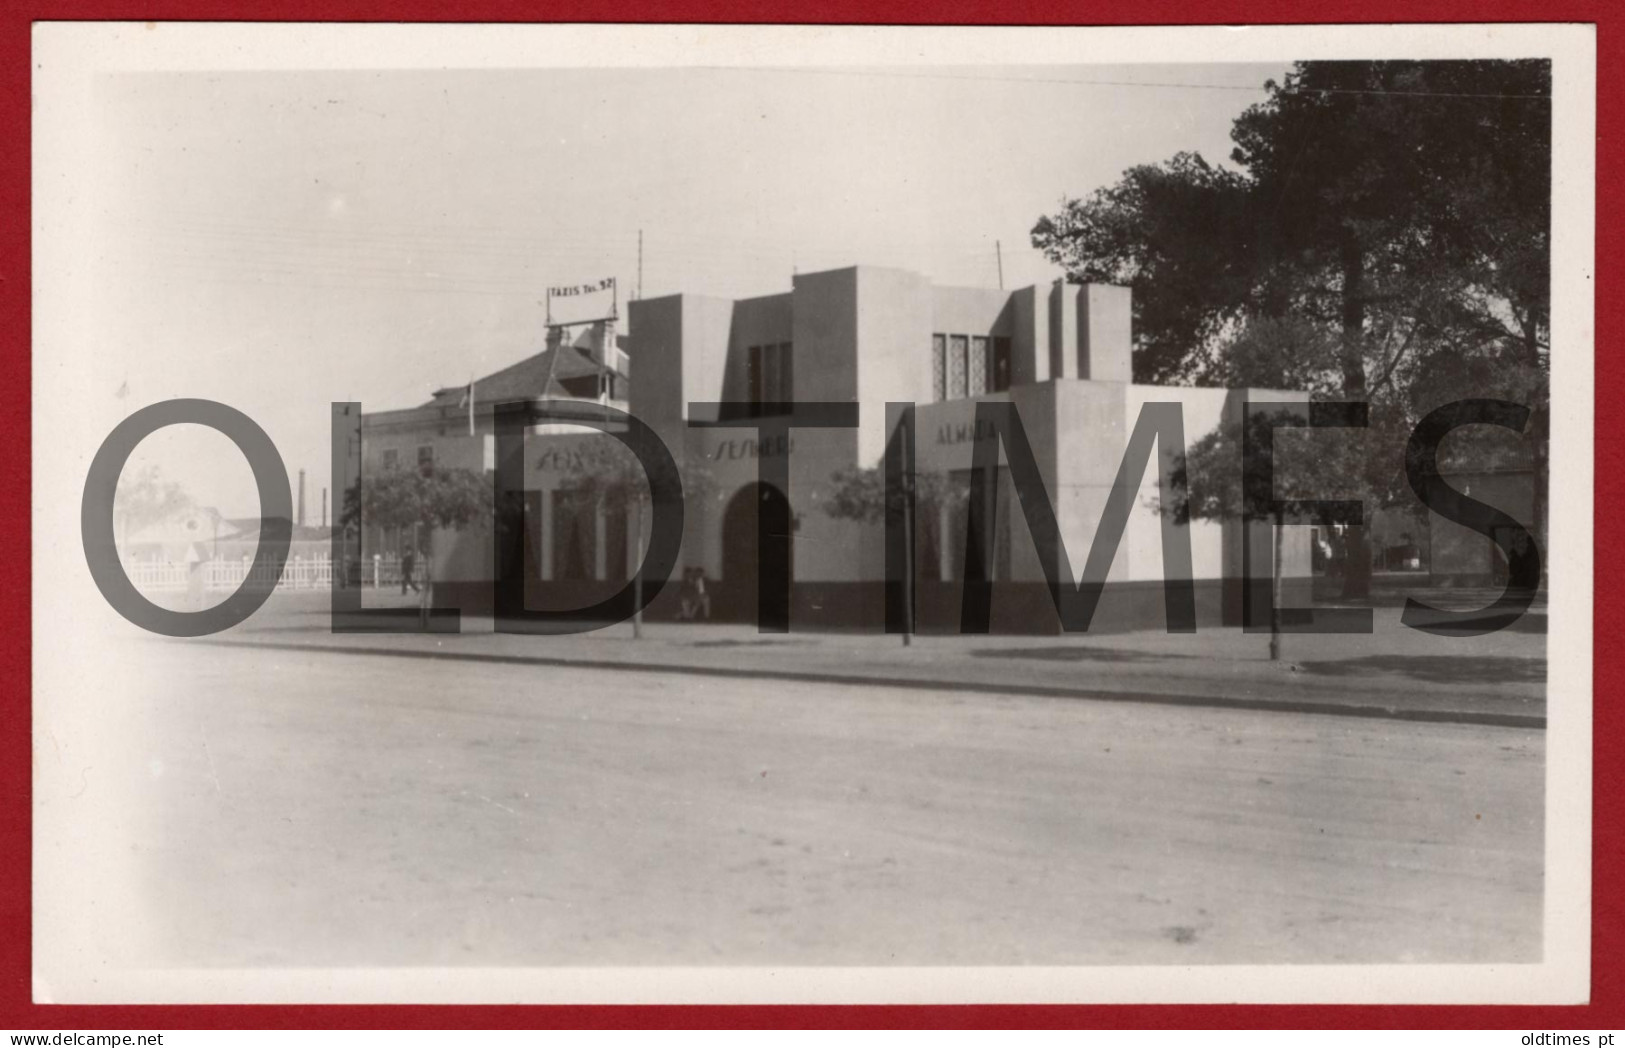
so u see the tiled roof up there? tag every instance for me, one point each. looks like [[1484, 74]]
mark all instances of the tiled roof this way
[[522, 380]]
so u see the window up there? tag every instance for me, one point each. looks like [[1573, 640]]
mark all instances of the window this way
[[575, 537], [957, 372], [978, 365], [589, 539], [1001, 364], [939, 367], [617, 534], [584, 387], [786, 375], [768, 376], [929, 527], [425, 459], [969, 366], [755, 375], [392, 460]]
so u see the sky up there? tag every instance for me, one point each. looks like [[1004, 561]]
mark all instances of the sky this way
[[280, 240]]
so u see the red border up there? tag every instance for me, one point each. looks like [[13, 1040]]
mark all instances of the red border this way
[[1607, 1010]]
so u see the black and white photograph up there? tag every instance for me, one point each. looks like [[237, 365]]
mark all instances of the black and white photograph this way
[[830, 514]]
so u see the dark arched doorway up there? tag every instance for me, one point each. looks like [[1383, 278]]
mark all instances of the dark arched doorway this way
[[744, 566]]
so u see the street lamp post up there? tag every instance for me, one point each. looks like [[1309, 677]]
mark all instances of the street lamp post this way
[[910, 493], [637, 573]]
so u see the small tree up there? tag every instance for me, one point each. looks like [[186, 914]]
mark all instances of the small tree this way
[[603, 473], [424, 500], [1212, 483], [143, 497]]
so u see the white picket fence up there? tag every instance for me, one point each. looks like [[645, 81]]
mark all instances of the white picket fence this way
[[296, 573]]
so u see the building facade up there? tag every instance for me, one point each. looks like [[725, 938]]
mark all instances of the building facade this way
[[1058, 354]]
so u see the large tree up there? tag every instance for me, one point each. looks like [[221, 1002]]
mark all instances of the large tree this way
[[1383, 236], [1416, 192]]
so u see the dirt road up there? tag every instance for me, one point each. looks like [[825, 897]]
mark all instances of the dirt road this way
[[321, 809]]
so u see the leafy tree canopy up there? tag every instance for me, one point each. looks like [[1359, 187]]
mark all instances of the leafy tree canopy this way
[[1383, 235], [433, 498], [1400, 208], [859, 493], [604, 471], [144, 497], [1211, 482]]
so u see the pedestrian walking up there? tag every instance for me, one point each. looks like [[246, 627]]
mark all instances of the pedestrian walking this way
[[409, 563], [702, 598]]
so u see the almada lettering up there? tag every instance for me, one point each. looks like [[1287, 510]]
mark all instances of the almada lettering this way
[[965, 432]]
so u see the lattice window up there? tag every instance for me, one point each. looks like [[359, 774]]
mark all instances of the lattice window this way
[[957, 376], [939, 368], [978, 365]]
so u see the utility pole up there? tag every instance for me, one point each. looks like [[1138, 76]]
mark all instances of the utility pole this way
[[904, 431], [1275, 587], [998, 250], [637, 577], [638, 291]]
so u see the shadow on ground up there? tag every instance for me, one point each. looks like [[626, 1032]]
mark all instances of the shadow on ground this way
[[1529, 622], [1437, 669], [753, 643], [1078, 653]]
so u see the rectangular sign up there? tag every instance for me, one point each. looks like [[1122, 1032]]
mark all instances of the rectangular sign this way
[[581, 303]]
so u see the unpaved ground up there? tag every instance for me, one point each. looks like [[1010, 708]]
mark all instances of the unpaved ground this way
[[319, 809]]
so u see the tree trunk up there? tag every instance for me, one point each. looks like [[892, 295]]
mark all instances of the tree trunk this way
[[910, 569], [637, 576], [1275, 592], [1540, 434], [1353, 318], [426, 595], [1357, 562]]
